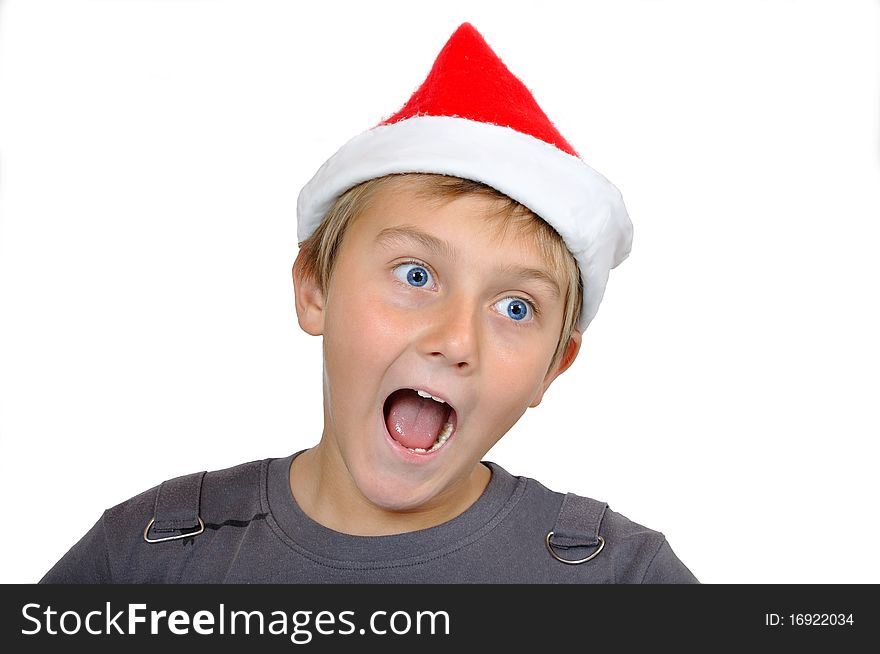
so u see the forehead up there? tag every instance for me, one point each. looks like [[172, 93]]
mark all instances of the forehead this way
[[403, 209], [466, 232]]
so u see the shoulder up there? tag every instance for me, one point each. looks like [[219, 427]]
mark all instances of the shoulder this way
[[638, 554], [224, 490], [644, 554], [111, 551]]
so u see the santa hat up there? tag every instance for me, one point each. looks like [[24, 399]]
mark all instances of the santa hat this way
[[472, 118]]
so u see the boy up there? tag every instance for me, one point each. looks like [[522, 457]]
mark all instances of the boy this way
[[450, 258]]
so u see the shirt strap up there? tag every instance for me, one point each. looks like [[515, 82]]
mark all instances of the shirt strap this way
[[577, 526], [176, 513]]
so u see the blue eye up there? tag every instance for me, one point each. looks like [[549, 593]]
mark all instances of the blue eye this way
[[413, 274], [516, 309]]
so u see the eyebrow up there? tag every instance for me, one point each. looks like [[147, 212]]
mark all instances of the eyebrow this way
[[439, 247]]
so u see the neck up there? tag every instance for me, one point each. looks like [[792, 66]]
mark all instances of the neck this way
[[326, 493]]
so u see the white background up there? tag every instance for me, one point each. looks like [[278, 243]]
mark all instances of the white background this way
[[151, 153]]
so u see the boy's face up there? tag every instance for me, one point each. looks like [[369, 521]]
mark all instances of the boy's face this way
[[452, 319]]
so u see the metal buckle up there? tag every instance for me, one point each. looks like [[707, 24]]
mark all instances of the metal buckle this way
[[579, 561], [162, 540]]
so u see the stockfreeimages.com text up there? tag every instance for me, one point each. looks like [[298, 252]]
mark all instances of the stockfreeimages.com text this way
[[300, 625]]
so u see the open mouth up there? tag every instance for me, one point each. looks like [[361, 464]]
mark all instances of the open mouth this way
[[419, 421]]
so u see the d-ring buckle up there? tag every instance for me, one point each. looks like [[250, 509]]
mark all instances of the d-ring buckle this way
[[161, 540], [569, 562]]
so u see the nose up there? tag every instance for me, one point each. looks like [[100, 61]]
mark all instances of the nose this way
[[452, 333]]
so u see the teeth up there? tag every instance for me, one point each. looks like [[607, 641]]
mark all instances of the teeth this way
[[442, 437], [425, 394]]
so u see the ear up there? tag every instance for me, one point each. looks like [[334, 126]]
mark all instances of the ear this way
[[309, 300], [565, 361]]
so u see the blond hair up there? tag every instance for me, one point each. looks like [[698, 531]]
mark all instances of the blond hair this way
[[318, 252]]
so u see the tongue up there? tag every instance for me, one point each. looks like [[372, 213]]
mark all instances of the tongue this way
[[414, 421]]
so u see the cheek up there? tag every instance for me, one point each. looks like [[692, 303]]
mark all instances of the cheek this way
[[360, 330], [518, 374]]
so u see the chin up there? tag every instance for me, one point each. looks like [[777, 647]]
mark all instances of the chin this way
[[392, 492], [391, 478]]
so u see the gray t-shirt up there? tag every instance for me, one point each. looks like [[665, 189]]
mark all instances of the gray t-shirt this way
[[254, 532]]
